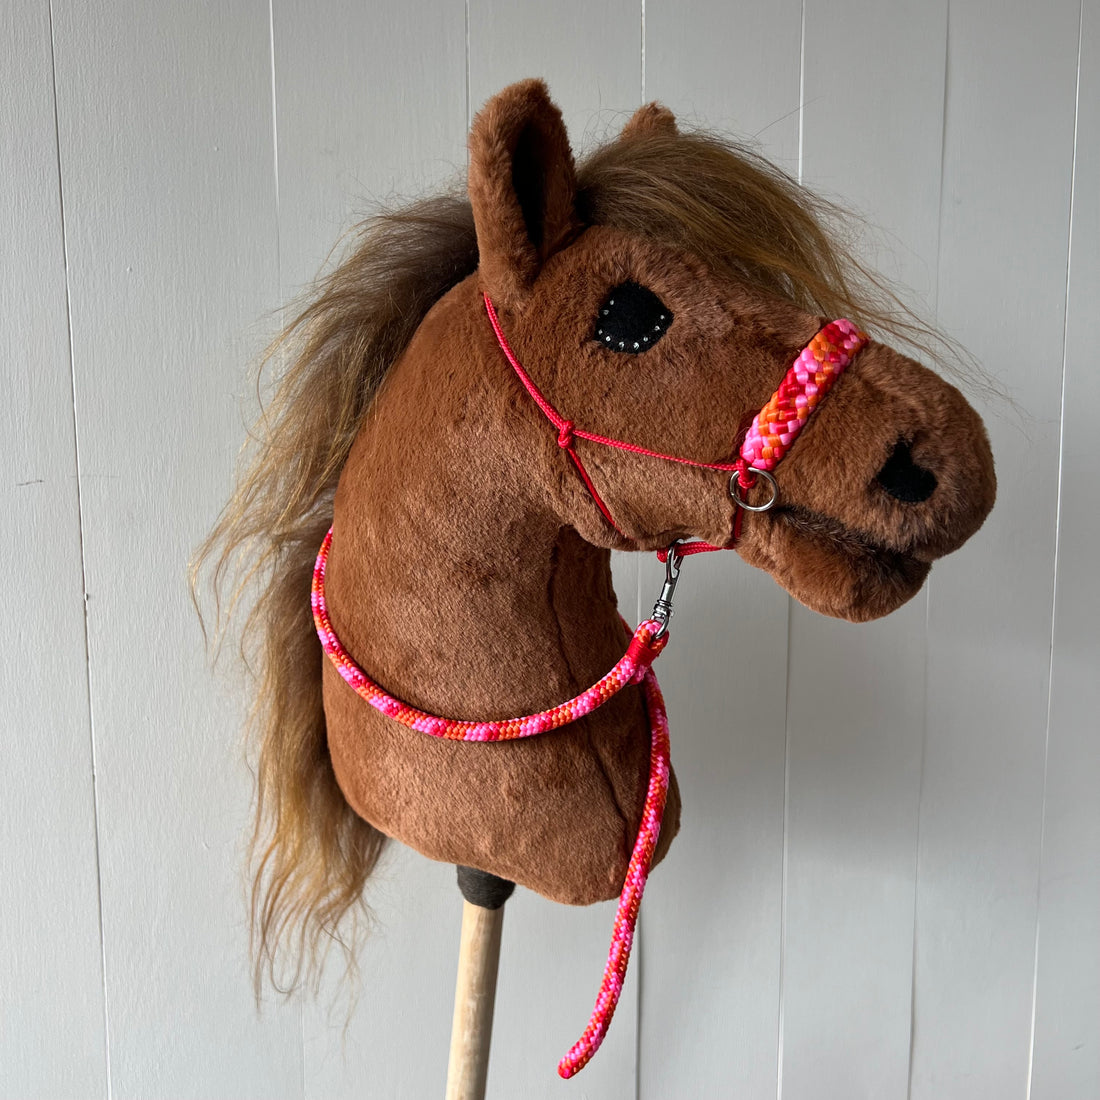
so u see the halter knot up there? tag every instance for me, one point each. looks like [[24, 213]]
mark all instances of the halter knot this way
[[565, 435], [746, 478]]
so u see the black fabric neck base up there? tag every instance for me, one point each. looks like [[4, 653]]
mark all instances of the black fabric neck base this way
[[482, 888]]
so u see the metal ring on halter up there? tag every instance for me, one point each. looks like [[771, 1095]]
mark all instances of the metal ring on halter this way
[[735, 485]]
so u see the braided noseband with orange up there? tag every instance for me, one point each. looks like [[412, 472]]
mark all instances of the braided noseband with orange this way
[[770, 436]]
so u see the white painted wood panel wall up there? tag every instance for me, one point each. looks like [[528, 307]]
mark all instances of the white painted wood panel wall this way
[[888, 880]]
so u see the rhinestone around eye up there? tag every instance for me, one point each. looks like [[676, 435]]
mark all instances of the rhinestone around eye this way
[[632, 319]]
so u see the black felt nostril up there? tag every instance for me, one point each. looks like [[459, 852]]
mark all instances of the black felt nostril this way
[[903, 479]]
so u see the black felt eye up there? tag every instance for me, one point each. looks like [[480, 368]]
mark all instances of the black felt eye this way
[[632, 319]]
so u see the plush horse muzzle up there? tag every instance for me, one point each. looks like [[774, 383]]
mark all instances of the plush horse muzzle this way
[[893, 471]]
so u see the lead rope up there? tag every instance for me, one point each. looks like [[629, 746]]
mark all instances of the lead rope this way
[[770, 436], [633, 667]]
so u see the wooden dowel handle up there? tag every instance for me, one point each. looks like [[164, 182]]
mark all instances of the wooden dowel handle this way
[[475, 995]]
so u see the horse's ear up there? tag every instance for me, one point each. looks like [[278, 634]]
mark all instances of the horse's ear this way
[[650, 120], [523, 188]]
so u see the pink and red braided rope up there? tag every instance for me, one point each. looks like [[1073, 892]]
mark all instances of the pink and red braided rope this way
[[776, 426], [632, 668], [644, 647]]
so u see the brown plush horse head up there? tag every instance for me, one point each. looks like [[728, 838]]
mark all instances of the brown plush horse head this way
[[656, 296]]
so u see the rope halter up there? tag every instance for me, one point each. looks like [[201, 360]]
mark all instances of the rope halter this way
[[770, 436]]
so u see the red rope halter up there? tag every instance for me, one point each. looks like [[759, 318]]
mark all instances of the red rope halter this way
[[770, 436]]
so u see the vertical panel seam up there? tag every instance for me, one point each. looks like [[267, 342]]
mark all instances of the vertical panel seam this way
[[275, 146], [801, 81], [83, 560], [916, 844], [785, 863], [1057, 541], [916, 858], [278, 226], [927, 591], [466, 33], [943, 159]]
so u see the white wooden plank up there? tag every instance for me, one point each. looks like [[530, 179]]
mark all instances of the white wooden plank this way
[[166, 156], [52, 1026], [1067, 1011], [855, 698], [589, 54], [713, 910], [730, 67], [552, 956], [396, 1042], [1007, 153], [371, 107]]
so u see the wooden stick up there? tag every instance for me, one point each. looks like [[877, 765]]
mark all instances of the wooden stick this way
[[475, 995]]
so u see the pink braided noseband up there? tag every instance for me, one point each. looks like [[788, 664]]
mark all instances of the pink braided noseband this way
[[771, 435], [820, 363]]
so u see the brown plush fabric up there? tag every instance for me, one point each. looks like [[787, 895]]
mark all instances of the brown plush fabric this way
[[458, 586], [860, 554], [652, 118], [470, 569], [522, 188]]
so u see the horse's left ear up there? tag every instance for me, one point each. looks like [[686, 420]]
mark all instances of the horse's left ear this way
[[523, 188]]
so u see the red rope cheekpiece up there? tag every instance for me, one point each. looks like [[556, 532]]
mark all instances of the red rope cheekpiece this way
[[568, 431], [771, 435]]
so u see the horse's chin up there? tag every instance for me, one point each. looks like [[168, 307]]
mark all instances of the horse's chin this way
[[831, 568]]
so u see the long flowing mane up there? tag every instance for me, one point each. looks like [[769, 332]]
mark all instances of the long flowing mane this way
[[310, 853]]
